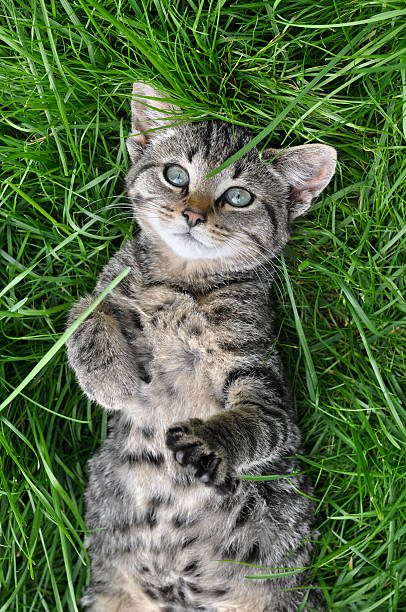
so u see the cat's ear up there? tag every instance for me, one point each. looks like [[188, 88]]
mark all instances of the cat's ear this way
[[149, 110], [307, 169]]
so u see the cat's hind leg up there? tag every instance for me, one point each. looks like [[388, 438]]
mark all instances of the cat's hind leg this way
[[130, 599], [111, 603]]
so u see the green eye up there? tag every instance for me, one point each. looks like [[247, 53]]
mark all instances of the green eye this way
[[176, 175], [236, 196]]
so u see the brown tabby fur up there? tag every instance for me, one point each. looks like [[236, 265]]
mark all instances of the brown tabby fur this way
[[182, 354]]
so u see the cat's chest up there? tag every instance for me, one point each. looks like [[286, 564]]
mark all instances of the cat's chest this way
[[176, 349]]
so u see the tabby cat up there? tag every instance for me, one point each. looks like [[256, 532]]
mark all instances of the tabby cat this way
[[182, 355]]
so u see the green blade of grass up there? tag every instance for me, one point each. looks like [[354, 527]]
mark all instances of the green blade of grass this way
[[275, 122], [385, 16], [311, 377]]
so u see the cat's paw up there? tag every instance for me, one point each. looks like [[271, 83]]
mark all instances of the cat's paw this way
[[193, 446]]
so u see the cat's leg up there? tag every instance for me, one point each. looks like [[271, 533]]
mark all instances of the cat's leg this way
[[107, 351], [256, 426], [240, 607], [112, 603], [122, 595], [287, 602], [101, 356], [244, 604]]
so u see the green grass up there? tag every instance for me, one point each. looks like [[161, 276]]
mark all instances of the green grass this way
[[297, 71]]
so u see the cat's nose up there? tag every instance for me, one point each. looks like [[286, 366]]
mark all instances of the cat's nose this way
[[193, 217]]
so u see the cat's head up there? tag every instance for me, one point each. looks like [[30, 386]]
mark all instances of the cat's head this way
[[240, 216]]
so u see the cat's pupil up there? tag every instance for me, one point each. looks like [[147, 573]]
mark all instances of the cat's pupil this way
[[238, 197], [176, 175]]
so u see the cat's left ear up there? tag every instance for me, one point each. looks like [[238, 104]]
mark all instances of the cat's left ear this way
[[307, 169], [149, 110]]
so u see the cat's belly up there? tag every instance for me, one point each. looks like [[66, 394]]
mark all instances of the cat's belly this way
[[176, 528], [183, 382], [158, 526], [184, 367], [167, 531], [173, 548]]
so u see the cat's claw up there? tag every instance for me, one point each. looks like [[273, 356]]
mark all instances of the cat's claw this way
[[183, 455], [204, 473], [191, 449]]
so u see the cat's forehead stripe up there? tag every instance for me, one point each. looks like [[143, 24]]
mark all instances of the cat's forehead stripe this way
[[191, 153], [146, 167], [238, 168]]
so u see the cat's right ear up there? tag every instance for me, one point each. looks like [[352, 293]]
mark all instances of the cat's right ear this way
[[149, 111]]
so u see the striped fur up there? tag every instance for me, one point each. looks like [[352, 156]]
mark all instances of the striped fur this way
[[182, 354]]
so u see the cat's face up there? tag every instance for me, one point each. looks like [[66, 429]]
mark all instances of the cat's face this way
[[240, 215]]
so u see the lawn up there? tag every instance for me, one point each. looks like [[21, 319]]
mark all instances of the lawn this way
[[294, 72]]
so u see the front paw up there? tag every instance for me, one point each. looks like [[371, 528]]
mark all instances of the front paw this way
[[193, 446]]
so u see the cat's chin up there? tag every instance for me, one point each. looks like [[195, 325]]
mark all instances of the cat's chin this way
[[188, 247]]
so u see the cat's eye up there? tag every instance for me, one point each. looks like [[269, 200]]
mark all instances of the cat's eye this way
[[236, 196], [176, 175]]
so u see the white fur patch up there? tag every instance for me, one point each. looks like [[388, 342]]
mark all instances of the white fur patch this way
[[195, 244]]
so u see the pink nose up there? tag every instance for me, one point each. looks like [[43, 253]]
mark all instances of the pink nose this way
[[193, 217]]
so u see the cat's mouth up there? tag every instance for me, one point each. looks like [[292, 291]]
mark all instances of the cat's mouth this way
[[190, 239], [187, 245]]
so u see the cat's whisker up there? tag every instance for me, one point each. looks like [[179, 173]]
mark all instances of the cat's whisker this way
[[253, 250], [244, 258], [262, 250]]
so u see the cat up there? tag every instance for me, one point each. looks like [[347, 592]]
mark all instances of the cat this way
[[182, 354]]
